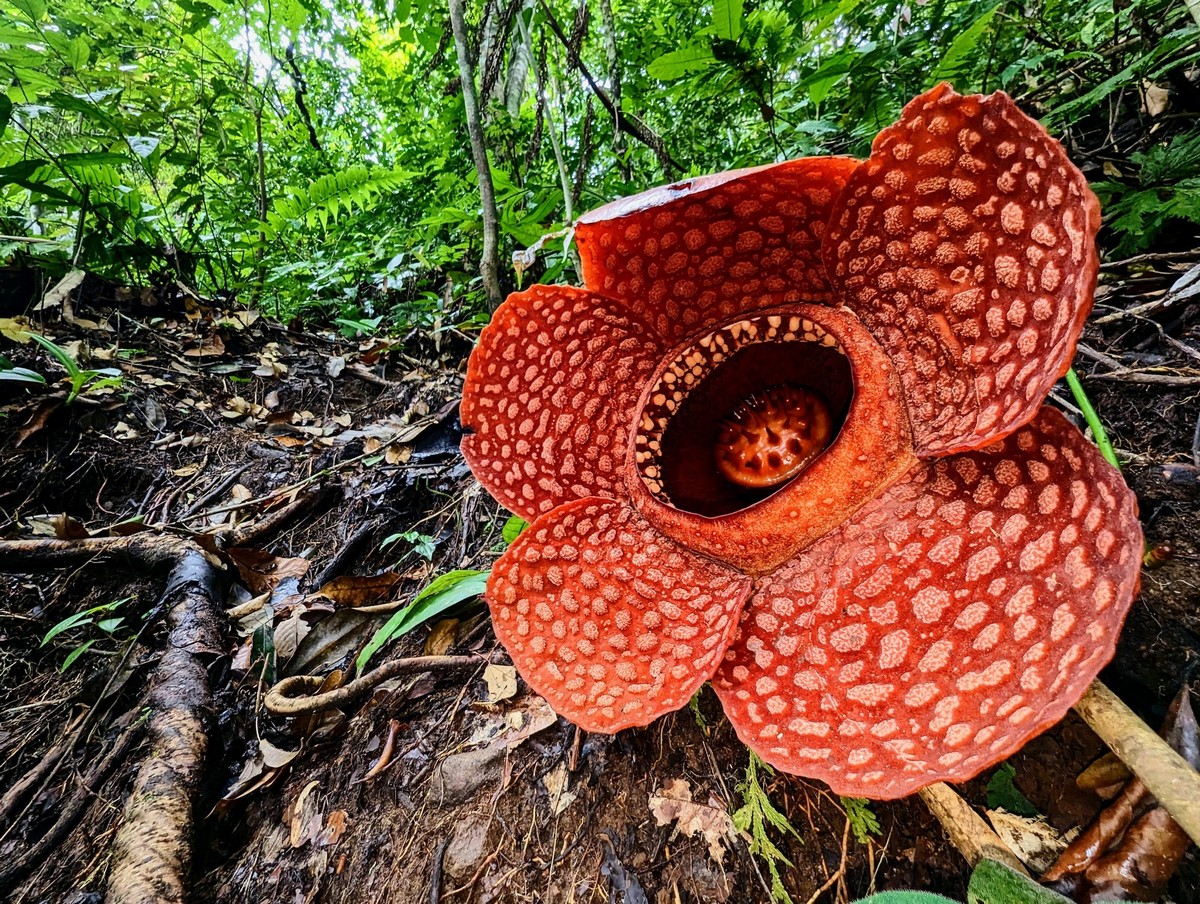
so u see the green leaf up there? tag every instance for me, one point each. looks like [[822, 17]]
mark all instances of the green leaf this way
[[512, 528], [863, 821], [35, 9], [963, 48], [71, 621], [6, 108], [680, 62], [75, 654], [727, 19], [21, 375], [995, 883], [906, 897], [78, 52], [445, 592], [1002, 794]]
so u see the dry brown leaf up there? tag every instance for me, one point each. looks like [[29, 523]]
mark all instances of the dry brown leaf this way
[[304, 817], [365, 590], [442, 637], [335, 825], [260, 571], [501, 682], [210, 347], [555, 782], [673, 803], [68, 528]]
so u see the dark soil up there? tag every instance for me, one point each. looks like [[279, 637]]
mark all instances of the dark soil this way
[[457, 815]]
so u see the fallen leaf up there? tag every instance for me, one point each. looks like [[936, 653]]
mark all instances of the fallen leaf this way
[[501, 682], [673, 803], [260, 571], [335, 825], [61, 290], [361, 590], [210, 347], [442, 637], [303, 816]]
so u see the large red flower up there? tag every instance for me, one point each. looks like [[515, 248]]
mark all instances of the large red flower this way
[[789, 438]]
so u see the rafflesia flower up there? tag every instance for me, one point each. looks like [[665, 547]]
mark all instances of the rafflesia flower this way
[[790, 438]]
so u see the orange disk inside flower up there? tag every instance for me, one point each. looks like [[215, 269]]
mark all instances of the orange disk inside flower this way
[[772, 436]]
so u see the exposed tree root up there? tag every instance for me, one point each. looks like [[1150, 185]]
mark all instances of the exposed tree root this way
[[151, 856]]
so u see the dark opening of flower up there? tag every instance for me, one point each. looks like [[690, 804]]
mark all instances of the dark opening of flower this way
[[790, 438]]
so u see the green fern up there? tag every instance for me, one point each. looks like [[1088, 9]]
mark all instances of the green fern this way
[[1169, 181], [756, 814], [325, 199], [863, 821]]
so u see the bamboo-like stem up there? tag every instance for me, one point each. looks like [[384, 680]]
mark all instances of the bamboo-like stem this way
[[1174, 783], [973, 837]]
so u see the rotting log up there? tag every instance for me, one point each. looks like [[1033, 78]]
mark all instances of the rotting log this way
[[1174, 784]]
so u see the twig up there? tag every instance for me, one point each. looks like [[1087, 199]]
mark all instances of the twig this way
[[217, 491]]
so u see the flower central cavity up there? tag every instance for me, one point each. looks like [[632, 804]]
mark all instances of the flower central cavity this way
[[772, 436], [739, 413]]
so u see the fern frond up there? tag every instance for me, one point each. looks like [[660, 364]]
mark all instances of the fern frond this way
[[330, 196]]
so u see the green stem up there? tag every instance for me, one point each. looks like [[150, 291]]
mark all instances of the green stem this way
[[1093, 419]]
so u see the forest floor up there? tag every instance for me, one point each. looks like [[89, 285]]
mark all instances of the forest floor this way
[[289, 458]]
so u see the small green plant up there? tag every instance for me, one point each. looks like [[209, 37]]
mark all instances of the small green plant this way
[[103, 621], [863, 821], [1168, 189], [756, 814], [1002, 794], [82, 381], [443, 594], [422, 544], [364, 326], [14, 374]]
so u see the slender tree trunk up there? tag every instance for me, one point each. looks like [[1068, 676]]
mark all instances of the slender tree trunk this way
[[489, 266], [614, 85]]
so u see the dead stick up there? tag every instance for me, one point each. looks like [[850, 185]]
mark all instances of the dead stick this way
[[968, 832], [1174, 783]]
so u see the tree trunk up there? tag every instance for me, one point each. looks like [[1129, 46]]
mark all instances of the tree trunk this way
[[489, 266]]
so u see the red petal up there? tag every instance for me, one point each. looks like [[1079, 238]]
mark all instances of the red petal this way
[[688, 255], [549, 395], [610, 621], [966, 245], [952, 619]]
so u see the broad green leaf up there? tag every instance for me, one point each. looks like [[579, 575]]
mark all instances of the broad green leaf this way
[[727, 19], [962, 48], [442, 594], [6, 108], [78, 52], [71, 621], [680, 62], [34, 9], [21, 375]]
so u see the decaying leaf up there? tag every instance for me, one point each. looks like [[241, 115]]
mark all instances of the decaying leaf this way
[[1132, 848], [1036, 843], [352, 591], [260, 571], [673, 803]]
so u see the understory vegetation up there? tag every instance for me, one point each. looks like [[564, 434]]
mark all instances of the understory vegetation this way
[[312, 158]]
